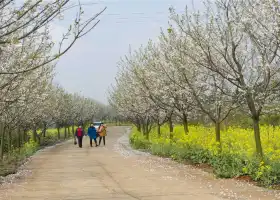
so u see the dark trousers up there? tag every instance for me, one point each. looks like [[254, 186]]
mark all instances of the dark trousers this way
[[80, 141], [90, 141], [100, 138]]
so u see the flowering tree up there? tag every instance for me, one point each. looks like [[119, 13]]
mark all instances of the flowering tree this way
[[28, 99], [43, 106], [211, 95], [212, 63], [131, 102], [239, 42], [26, 26]]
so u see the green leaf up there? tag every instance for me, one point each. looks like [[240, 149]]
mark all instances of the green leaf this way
[[169, 30]]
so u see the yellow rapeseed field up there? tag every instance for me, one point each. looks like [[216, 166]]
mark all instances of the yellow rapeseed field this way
[[233, 140], [236, 158]]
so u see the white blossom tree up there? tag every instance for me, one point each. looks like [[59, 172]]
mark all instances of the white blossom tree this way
[[239, 42]]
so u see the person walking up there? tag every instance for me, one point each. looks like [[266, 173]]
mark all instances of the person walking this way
[[80, 134], [92, 135], [102, 133]]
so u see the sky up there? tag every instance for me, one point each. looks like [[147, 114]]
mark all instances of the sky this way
[[89, 68]]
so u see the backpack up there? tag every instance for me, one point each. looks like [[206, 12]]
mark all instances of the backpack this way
[[102, 130]]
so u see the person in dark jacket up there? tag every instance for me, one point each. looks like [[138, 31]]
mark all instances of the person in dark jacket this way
[[92, 135], [80, 134]]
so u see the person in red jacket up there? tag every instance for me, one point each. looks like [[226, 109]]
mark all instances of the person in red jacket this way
[[80, 134]]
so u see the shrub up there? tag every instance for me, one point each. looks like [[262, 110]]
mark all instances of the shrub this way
[[235, 158], [138, 141]]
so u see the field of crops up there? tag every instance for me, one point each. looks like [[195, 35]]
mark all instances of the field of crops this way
[[235, 158]]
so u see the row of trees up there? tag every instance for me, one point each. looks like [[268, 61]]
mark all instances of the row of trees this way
[[52, 107], [216, 63], [28, 98]]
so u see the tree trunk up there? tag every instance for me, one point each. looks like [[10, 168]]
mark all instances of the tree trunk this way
[[148, 136], [218, 131], [10, 141], [170, 128], [2, 135], [58, 133], [34, 135], [143, 128], [65, 132], [68, 131], [158, 129], [73, 131], [147, 132], [22, 139], [185, 123], [25, 136], [138, 127], [256, 125], [257, 135], [44, 129], [18, 138]]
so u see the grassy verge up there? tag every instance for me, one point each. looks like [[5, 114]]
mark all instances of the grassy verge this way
[[12, 161], [17, 157], [236, 159]]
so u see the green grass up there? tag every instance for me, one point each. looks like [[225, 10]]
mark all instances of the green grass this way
[[14, 159]]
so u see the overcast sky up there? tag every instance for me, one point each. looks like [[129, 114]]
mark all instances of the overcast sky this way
[[90, 66]]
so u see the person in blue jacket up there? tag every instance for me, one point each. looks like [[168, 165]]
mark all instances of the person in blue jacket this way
[[92, 135]]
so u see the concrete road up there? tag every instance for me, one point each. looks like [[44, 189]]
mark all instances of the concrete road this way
[[117, 172]]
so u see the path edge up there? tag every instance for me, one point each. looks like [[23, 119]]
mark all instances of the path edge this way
[[21, 172]]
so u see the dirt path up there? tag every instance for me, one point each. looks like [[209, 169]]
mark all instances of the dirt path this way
[[117, 172]]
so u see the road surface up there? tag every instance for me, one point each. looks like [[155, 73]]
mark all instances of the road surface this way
[[114, 172]]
